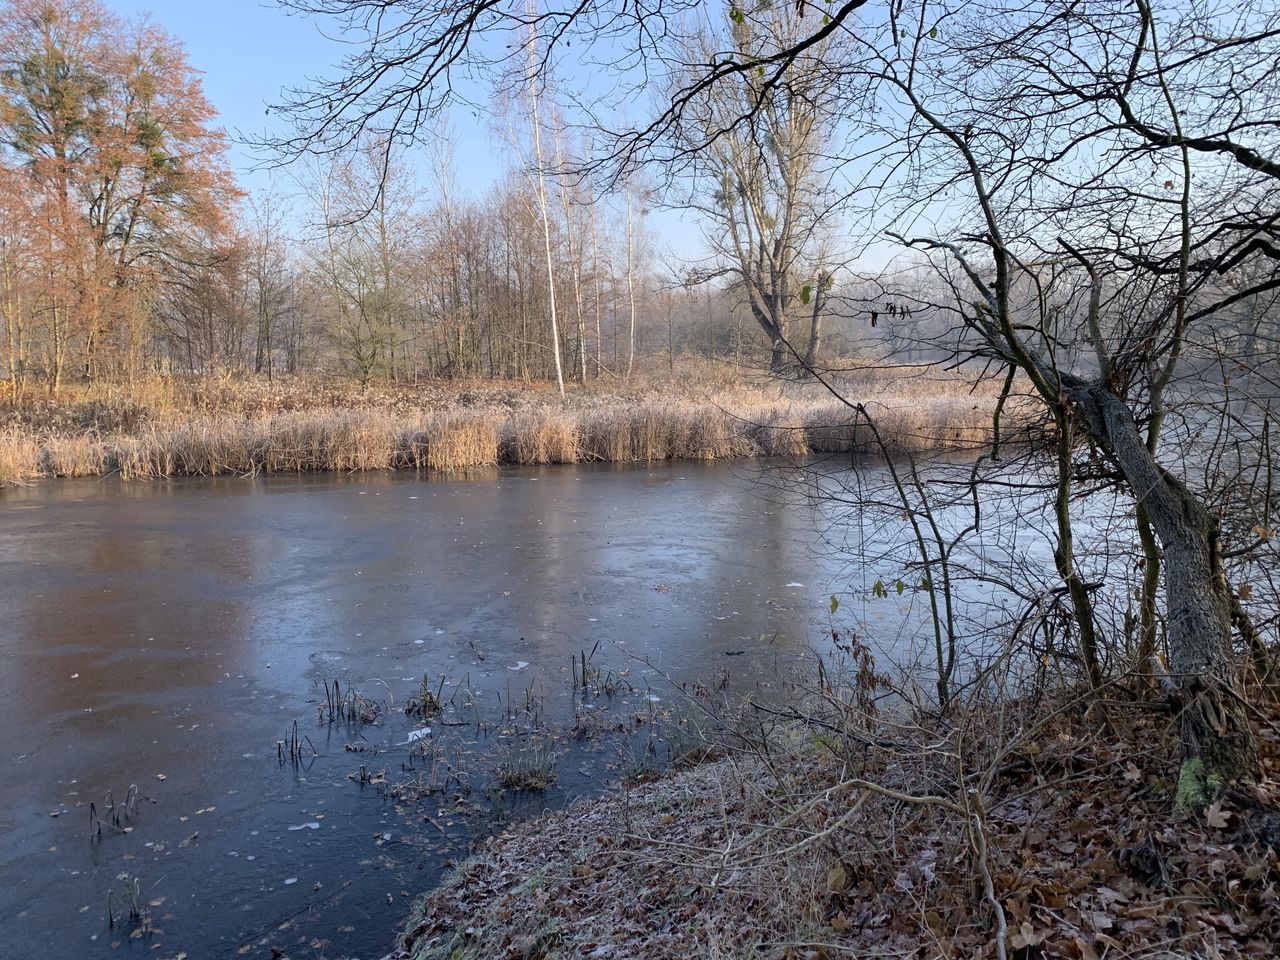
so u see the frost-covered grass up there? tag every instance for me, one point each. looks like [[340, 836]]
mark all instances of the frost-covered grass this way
[[1013, 828], [210, 427]]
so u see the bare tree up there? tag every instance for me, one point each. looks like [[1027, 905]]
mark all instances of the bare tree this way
[[358, 262], [1094, 216], [761, 172], [540, 184], [270, 277]]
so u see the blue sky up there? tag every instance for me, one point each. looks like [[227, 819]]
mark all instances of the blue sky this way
[[250, 51]]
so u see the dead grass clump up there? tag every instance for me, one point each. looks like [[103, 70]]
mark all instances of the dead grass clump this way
[[834, 428], [123, 456], [709, 435], [925, 425], [411, 446], [297, 443], [606, 435], [653, 430], [301, 442], [74, 455], [19, 456], [643, 431], [541, 436], [662, 430], [776, 431], [528, 768], [145, 456], [209, 448], [464, 439], [356, 440], [904, 425]]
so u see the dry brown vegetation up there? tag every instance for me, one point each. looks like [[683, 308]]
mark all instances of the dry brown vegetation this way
[[210, 427], [1018, 828]]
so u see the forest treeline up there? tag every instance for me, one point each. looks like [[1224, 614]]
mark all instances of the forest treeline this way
[[128, 249]]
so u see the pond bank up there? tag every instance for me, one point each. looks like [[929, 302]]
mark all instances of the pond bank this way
[[448, 427], [1068, 849]]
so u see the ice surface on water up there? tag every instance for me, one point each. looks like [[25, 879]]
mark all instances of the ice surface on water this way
[[286, 592]]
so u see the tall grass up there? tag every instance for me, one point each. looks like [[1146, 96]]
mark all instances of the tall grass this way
[[481, 426], [462, 439], [20, 456], [666, 430], [542, 436]]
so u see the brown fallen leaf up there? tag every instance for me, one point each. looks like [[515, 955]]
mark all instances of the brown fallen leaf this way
[[1216, 817], [1026, 936], [837, 878]]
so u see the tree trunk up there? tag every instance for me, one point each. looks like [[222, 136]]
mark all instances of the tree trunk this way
[[59, 342], [1214, 724], [540, 183], [1150, 584], [595, 270], [573, 251], [819, 295], [1064, 559], [772, 317], [815, 341], [778, 358], [631, 294]]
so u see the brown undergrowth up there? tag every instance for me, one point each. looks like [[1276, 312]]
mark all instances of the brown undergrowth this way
[[209, 426], [1017, 828]]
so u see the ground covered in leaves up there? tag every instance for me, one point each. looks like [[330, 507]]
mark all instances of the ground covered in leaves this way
[[1001, 834]]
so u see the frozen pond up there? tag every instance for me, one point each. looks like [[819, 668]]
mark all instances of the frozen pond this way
[[167, 635]]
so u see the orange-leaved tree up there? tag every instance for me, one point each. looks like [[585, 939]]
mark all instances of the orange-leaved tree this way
[[105, 128]]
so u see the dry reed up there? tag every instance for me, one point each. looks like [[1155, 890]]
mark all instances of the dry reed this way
[[541, 436], [209, 429], [65, 455], [20, 456]]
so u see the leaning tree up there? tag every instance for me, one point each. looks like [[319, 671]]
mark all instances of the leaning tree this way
[[1095, 173]]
